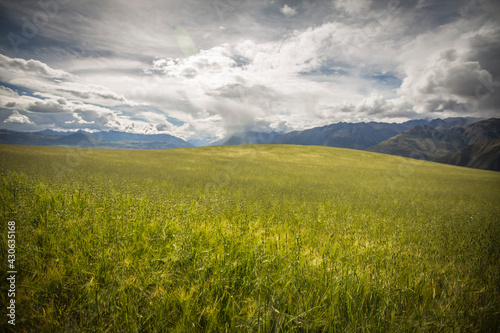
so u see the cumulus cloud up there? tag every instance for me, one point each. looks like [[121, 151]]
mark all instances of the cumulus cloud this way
[[7, 91], [16, 117], [288, 11], [270, 86], [50, 106], [444, 74], [46, 110], [43, 79], [207, 63], [31, 67]]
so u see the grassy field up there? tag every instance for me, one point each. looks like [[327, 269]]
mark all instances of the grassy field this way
[[248, 239]]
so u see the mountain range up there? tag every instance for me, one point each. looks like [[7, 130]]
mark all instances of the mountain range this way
[[341, 135], [474, 145], [439, 140], [105, 139], [463, 141], [481, 155]]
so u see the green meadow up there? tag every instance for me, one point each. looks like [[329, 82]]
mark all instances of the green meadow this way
[[265, 238]]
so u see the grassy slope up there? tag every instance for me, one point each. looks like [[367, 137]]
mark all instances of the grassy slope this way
[[250, 238]]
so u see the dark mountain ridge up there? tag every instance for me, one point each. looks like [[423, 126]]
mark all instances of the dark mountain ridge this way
[[342, 135], [459, 141], [111, 139], [116, 136], [346, 135], [432, 140], [480, 155], [467, 145]]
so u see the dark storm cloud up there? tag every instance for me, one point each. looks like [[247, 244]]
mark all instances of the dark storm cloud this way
[[49, 107]]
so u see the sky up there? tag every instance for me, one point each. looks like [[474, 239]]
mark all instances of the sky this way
[[203, 70]]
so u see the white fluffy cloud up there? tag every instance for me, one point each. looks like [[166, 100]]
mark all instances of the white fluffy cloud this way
[[277, 85], [282, 85], [56, 99], [33, 67], [40, 77], [16, 117], [288, 11]]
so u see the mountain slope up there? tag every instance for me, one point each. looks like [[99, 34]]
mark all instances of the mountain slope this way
[[115, 136], [346, 135], [79, 139], [110, 139], [453, 122], [422, 142], [342, 135], [479, 131], [425, 142], [482, 155], [32, 139]]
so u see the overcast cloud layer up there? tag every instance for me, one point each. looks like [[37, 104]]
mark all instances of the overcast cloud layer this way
[[201, 70]]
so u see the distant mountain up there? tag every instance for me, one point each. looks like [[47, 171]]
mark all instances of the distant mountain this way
[[52, 132], [452, 122], [422, 142], [434, 140], [23, 138], [342, 135], [478, 131], [111, 139], [140, 145], [79, 139], [481, 155], [116, 136], [425, 142], [346, 135], [460, 141]]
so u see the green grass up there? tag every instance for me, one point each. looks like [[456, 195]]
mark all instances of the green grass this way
[[249, 239]]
